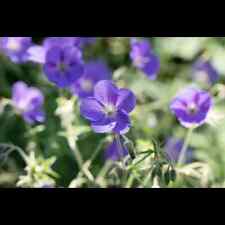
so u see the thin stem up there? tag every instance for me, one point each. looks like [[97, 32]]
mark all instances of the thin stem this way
[[14, 148], [130, 181], [97, 150], [182, 156], [76, 152], [79, 159], [146, 180]]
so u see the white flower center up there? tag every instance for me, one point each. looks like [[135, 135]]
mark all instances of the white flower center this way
[[110, 110], [87, 85], [140, 61], [13, 45], [202, 77], [192, 108]]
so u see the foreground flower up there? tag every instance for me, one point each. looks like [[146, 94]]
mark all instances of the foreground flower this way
[[115, 151], [94, 72], [16, 48], [191, 107], [28, 101], [204, 71], [173, 149], [109, 108], [63, 65], [144, 58]]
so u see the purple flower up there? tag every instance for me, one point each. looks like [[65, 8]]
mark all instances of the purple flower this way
[[115, 151], [94, 72], [38, 53], [173, 149], [109, 108], [28, 101], [16, 48], [63, 65], [58, 41], [204, 71], [191, 107], [144, 58]]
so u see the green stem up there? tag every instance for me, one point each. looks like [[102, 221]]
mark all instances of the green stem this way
[[130, 181], [14, 148], [182, 156], [98, 149], [79, 159]]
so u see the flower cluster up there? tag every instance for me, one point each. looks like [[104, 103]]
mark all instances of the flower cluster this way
[[97, 100]]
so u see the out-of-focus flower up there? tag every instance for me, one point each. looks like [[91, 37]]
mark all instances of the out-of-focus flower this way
[[115, 151], [191, 107], [29, 102], [203, 71], [16, 48], [173, 148], [63, 65], [109, 108], [38, 53], [94, 72], [144, 58]]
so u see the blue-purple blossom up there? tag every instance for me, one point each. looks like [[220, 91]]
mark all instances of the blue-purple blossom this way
[[173, 149], [29, 102], [63, 65], [38, 53], [144, 58], [191, 107], [108, 110], [16, 48], [94, 71], [115, 151], [204, 71]]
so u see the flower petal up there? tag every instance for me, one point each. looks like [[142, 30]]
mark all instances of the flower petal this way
[[33, 116], [126, 100], [105, 126], [122, 123], [114, 153], [106, 92], [151, 69], [92, 110], [19, 90], [37, 54]]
